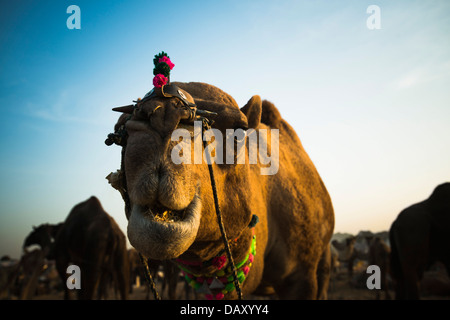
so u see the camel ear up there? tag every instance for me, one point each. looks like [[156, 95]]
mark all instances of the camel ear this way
[[252, 111], [125, 109]]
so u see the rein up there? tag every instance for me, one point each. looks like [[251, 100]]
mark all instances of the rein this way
[[119, 137], [205, 127]]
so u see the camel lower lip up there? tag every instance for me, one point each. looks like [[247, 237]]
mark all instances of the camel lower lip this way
[[161, 237]]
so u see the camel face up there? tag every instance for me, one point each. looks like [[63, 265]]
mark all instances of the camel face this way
[[170, 199], [165, 197], [39, 236]]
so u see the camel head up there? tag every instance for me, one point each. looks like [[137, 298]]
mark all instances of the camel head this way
[[171, 203], [40, 235]]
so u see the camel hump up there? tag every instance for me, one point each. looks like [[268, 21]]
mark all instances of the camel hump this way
[[93, 202], [441, 197], [439, 206], [270, 114], [89, 207], [93, 199]]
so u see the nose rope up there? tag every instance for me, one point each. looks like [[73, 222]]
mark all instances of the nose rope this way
[[149, 278], [206, 126]]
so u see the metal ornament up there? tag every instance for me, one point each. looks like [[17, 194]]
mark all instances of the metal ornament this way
[[204, 288], [216, 284]]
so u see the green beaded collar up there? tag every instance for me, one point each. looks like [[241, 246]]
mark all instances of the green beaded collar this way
[[219, 283]]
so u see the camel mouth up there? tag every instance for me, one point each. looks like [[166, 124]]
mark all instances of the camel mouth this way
[[162, 233], [161, 213]]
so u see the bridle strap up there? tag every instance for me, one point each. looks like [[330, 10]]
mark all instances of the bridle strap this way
[[169, 91]]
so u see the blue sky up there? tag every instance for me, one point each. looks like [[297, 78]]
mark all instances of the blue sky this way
[[370, 106]]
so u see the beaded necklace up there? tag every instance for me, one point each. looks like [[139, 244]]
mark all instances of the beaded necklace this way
[[215, 285]]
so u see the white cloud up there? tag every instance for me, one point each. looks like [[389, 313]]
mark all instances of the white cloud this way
[[422, 75], [64, 107], [408, 80]]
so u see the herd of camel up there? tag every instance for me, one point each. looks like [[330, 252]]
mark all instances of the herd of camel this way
[[91, 239], [417, 241], [276, 227]]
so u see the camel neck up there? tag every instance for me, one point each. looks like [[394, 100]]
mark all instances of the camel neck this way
[[214, 277]]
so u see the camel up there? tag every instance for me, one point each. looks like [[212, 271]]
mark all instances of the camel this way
[[334, 260], [170, 275], [136, 269], [44, 235], [419, 237], [92, 240], [379, 253], [172, 213], [32, 265], [9, 272], [345, 247], [21, 278], [435, 281], [346, 252]]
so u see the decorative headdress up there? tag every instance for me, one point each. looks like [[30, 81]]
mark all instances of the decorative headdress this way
[[161, 81], [163, 89], [163, 65]]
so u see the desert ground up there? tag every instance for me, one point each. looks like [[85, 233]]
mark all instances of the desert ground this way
[[342, 287]]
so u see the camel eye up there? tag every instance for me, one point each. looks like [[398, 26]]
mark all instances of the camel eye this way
[[138, 114]]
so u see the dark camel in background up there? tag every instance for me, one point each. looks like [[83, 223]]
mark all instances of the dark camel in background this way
[[419, 237], [379, 255], [92, 240]]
